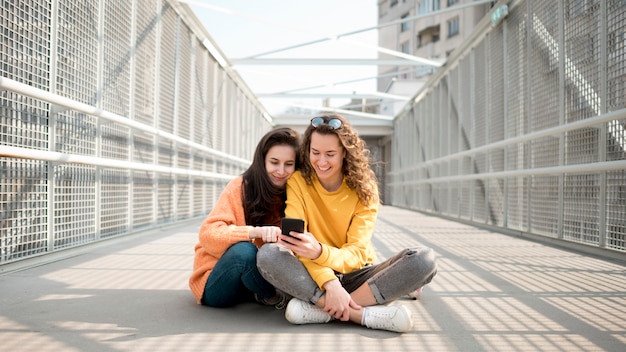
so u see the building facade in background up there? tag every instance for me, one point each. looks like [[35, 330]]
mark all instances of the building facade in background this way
[[438, 27]]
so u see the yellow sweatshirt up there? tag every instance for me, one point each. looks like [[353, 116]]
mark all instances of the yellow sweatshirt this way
[[339, 221]]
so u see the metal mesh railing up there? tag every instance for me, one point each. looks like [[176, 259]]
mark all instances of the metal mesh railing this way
[[524, 128], [112, 120]]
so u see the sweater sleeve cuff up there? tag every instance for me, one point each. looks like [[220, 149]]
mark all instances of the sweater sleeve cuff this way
[[241, 232], [323, 258], [323, 279]]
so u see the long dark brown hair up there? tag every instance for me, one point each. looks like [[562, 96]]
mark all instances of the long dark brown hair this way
[[264, 203]]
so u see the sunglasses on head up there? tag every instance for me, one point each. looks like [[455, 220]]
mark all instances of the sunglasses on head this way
[[333, 122]]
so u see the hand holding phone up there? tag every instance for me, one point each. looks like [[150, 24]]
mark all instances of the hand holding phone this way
[[306, 245], [292, 224]]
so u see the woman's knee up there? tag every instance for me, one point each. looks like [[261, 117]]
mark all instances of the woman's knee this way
[[423, 258], [242, 252], [271, 258], [267, 253], [274, 259]]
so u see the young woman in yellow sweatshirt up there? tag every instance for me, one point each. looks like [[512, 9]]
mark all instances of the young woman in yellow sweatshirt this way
[[331, 268], [246, 216]]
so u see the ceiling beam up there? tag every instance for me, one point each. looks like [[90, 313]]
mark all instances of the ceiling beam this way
[[335, 95], [313, 62], [339, 37], [326, 36], [376, 119]]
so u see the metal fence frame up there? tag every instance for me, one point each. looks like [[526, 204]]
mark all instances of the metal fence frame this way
[[523, 129], [115, 117]]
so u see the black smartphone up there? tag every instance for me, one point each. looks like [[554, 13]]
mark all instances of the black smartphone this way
[[292, 224]]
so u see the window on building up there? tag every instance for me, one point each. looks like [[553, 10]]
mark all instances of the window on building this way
[[453, 27], [393, 3], [452, 2], [428, 6], [405, 48], [428, 35], [405, 26]]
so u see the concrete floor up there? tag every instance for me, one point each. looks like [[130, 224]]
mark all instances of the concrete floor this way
[[493, 292]]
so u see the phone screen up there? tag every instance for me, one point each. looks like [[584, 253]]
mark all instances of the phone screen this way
[[292, 224]]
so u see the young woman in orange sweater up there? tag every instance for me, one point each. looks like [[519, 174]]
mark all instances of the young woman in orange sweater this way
[[334, 273], [246, 216]]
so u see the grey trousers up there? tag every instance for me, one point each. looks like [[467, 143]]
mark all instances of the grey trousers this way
[[389, 280]]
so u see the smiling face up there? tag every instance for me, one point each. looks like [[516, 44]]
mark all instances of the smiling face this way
[[280, 163], [326, 157]]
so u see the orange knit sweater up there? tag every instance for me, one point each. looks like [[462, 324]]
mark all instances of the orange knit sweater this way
[[225, 226]]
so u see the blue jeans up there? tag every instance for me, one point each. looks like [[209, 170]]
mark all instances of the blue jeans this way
[[389, 280], [235, 278]]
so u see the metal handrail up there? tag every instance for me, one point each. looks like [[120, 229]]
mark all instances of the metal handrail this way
[[554, 131], [26, 153], [553, 170], [36, 93]]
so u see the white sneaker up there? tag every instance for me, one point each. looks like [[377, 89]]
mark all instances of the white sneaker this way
[[391, 318], [301, 312]]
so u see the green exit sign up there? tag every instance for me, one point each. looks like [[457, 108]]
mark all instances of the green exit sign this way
[[499, 14]]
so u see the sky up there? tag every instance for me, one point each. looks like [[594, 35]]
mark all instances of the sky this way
[[245, 28]]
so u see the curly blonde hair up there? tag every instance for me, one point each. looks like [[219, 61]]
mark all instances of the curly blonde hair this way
[[356, 164]]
